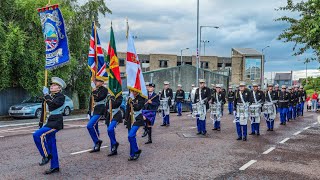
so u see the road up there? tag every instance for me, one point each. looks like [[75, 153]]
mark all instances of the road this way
[[289, 152]]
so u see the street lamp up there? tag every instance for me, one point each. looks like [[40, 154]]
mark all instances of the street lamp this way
[[264, 61], [181, 55], [197, 58], [204, 46]]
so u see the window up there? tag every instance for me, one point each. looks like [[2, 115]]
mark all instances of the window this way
[[228, 64], [178, 63], [163, 63], [204, 64], [253, 69], [189, 63], [220, 65], [121, 62]]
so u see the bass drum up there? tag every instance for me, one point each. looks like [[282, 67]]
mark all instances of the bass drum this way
[[193, 94]]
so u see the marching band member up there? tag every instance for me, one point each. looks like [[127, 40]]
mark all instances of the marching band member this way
[[45, 137], [189, 98], [115, 103], [150, 110], [297, 100], [202, 96], [134, 119], [271, 96], [219, 99], [277, 90], [257, 98], [303, 98], [242, 99], [99, 94], [179, 98], [284, 98], [145, 132], [230, 100], [166, 94], [291, 104]]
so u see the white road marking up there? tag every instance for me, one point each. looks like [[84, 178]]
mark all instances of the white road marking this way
[[79, 152], [283, 141], [297, 133], [74, 125], [14, 131], [306, 128], [244, 167], [269, 150], [1, 136], [315, 123], [17, 128], [35, 123]]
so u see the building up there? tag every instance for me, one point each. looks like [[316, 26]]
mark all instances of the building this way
[[247, 65], [283, 79], [151, 62]]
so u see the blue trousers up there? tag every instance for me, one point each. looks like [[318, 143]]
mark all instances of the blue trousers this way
[[289, 113], [294, 112], [191, 107], [283, 114], [270, 122], [201, 125], [255, 127], [93, 128], [132, 140], [179, 108], [111, 132], [298, 110], [216, 124], [45, 140], [230, 107], [301, 108], [241, 130], [166, 118]]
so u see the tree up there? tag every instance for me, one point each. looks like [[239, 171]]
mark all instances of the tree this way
[[304, 31], [22, 51]]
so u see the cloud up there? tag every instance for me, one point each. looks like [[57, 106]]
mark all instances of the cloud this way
[[166, 26]]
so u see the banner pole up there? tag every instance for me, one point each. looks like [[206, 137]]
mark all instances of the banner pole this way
[[44, 103]]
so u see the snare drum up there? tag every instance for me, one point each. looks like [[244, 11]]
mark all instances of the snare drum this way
[[163, 104], [255, 110], [215, 109]]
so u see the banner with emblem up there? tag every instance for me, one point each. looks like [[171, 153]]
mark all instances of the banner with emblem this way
[[135, 80], [115, 83], [57, 51]]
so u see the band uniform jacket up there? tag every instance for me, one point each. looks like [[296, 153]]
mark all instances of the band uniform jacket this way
[[246, 94], [169, 94], [303, 96], [259, 97], [54, 102], [273, 94], [296, 96], [155, 102], [179, 96], [231, 96], [116, 103], [98, 94], [205, 96], [284, 98], [292, 99], [137, 104], [221, 98]]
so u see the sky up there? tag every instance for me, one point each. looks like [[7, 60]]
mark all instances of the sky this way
[[167, 26]]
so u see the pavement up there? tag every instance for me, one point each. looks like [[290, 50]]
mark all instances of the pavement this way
[[289, 152]]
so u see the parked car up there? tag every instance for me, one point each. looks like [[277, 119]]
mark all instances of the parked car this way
[[32, 108]]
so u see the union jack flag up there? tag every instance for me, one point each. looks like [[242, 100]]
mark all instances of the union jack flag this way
[[96, 61]]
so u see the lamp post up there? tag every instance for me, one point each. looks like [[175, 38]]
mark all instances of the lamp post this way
[[204, 46], [181, 55], [197, 58], [264, 61]]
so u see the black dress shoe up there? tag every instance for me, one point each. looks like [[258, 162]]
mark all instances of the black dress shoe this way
[[258, 134], [284, 123], [271, 129], [52, 170], [45, 160], [214, 129], [268, 130], [218, 129], [96, 148], [239, 138], [113, 153], [204, 133], [148, 142], [252, 133], [163, 125], [145, 133], [244, 139], [136, 156], [199, 133]]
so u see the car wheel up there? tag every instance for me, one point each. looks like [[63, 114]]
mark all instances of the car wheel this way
[[66, 111], [122, 112], [38, 113]]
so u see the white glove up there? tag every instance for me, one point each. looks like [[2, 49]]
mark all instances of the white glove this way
[[88, 116], [234, 113], [93, 85], [45, 90]]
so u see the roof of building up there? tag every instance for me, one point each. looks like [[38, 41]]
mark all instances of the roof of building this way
[[283, 76], [247, 51]]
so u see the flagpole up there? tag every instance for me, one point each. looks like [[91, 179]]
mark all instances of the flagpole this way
[[110, 102], [95, 62]]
